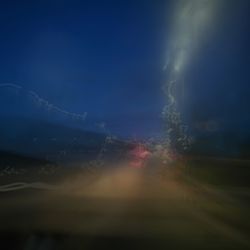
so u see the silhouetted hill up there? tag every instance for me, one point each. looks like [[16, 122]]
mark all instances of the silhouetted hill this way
[[11, 159], [223, 144], [50, 141]]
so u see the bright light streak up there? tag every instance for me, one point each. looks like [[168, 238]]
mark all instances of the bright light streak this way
[[192, 22]]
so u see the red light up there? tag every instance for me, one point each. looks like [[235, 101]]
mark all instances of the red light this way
[[139, 156]]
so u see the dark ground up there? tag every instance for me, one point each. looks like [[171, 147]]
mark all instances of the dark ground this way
[[199, 203]]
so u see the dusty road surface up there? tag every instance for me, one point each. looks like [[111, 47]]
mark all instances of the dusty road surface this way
[[125, 208]]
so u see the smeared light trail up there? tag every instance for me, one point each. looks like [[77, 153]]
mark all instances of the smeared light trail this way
[[23, 185], [45, 103], [190, 25]]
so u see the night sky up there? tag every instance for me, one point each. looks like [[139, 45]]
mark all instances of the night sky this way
[[106, 58]]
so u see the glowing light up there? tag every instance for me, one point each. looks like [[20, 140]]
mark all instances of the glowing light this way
[[139, 156], [190, 24]]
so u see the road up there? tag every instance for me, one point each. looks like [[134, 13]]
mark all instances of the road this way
[[128, 208]]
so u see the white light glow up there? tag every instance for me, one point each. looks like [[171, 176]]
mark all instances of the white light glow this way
[[192, 22]]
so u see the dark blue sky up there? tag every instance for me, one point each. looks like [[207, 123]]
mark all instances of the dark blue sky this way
[[219, 80], [106, 57], [102, 57]]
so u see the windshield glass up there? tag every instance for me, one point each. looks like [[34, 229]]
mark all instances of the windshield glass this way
[[124, 124]]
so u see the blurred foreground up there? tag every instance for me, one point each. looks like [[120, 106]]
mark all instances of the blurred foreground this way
[[202, 204]]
